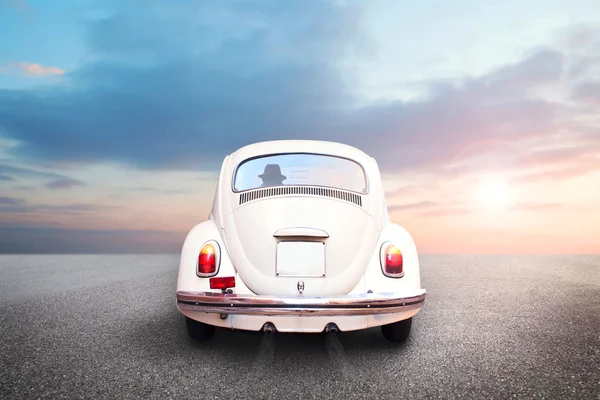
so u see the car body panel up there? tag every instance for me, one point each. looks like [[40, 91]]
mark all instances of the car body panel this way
[[345, 252], [248, 225]]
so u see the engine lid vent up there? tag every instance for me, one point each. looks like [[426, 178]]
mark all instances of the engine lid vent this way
[[300, 190]]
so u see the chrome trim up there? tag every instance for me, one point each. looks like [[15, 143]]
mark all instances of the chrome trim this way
[[363, 304], [301, 231]]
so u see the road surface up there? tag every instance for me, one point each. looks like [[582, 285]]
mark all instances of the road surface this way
[[492, 327]]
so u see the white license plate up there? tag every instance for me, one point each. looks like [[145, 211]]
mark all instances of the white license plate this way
[[300, 259]]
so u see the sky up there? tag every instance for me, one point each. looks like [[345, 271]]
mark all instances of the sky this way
[[484, 117]]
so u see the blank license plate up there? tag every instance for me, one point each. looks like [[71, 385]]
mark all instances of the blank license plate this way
[[300, 259]]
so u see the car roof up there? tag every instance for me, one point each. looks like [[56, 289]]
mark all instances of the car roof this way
[[299, 146]]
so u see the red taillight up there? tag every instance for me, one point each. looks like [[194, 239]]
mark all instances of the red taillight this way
[[207, 260], [222, 283], [392, 261]]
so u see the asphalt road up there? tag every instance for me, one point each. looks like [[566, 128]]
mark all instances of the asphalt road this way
[[491, 327]]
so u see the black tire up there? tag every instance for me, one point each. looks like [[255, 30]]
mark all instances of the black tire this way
[[398, 331], [198, 330]]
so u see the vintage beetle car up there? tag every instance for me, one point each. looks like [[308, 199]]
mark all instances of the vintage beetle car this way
[[299, 240]]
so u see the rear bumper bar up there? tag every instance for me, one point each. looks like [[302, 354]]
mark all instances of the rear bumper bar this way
[[363, 304]]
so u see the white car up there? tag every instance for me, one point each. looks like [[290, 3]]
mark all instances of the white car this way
[[299, 240]]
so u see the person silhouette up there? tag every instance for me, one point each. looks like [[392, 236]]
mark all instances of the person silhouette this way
[[272, 175]]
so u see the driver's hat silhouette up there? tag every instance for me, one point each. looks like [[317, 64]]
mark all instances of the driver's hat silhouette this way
[[272, 175]]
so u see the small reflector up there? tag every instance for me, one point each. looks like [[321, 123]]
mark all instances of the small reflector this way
[[222, 283]]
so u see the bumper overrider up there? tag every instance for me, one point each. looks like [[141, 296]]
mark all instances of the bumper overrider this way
[[361, 304]]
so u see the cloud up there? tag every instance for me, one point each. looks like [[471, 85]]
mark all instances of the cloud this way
[[179, 86], [428, 208], [154, 190], [180, 90], [553, 158], [188, 110], [580, 168], [57, 181], [588, 91], [450, 208], [11, 205], [28, 172], [31, 70], [502, 106], [11, 201], [63, 183], [421, 188], [446, 212], [533, 206], [420, 204], [564, 155]]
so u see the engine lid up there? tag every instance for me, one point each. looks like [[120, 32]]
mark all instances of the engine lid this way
[[275, 243]]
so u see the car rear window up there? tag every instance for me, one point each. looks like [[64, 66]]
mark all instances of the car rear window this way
[[300, 169]]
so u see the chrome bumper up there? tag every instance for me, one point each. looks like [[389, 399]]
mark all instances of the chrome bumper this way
[[364, 304]]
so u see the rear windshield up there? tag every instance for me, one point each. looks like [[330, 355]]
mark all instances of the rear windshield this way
[[300, 169]]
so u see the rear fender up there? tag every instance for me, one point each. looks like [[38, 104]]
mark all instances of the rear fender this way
[[374, 278], [187, 279]]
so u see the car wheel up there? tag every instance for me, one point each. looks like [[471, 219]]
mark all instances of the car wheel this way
[[198, 330], [398, 331]]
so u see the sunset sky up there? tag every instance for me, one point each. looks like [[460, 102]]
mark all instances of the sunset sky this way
[[484, 116]]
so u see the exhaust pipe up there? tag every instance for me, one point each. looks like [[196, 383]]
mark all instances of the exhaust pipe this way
[[269, 328], [331, 328]]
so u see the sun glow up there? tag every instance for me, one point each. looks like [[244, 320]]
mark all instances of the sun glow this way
[[493, 193]]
